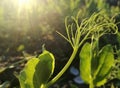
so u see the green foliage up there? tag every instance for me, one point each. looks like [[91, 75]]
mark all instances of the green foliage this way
[[105, 60], [37, 71], [85, 63], [88, 7], [96, 25], [118, 65], [95, 64], [115, 73], [92, 28]]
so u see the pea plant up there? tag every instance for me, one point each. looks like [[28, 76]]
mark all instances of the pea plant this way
[[95, 63]]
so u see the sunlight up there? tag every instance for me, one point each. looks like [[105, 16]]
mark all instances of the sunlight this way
[[24, 9], [23, 2], [27, 4]]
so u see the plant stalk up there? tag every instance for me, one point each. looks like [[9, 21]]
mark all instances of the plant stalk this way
[[75, 49], [91, 84]]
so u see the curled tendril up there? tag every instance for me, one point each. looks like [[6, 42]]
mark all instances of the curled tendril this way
[[98, 23]]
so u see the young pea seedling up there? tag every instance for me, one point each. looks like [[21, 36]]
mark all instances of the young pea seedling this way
[[38, 70]]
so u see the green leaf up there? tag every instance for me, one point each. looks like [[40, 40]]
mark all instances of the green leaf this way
[[101, 82], [37, 71], [85, 63], [106, 60]]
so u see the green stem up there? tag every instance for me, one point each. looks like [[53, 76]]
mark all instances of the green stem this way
[[64, 68], [91, 85]]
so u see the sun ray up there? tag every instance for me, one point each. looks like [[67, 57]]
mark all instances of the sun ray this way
[[23, 2], [26, 4]]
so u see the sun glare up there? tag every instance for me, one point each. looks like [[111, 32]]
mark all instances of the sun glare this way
[[23, 3]]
